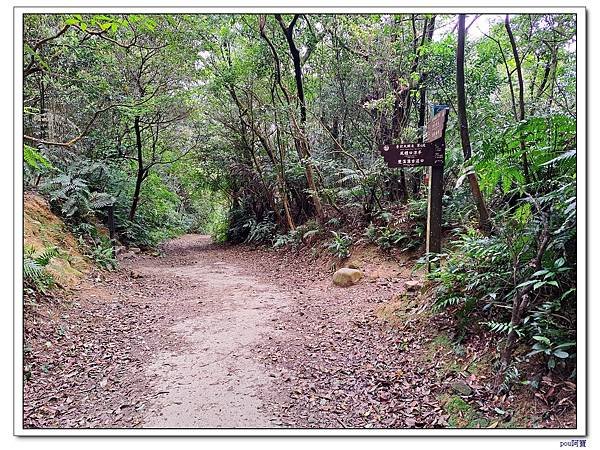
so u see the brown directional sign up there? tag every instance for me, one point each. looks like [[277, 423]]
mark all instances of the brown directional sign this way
[[413, 154], [429, 153], [436, 127]]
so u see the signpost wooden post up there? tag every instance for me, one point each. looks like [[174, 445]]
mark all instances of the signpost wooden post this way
[[436, 130], [430, 153]]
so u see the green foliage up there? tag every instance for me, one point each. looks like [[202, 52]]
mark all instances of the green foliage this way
[[159, 215], [500, 327], [340, 245], [260, 232], [498, 163], [72, 195], [103, 254], [34, 159], [100, 200], [462, 415], [100, 247], [484, 275], [417, 209], [296, 237], [216, 224], [35, 275], [387, 236], [551, 350], [223, 148]]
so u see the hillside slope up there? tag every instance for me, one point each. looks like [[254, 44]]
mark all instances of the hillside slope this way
[[43, 229]]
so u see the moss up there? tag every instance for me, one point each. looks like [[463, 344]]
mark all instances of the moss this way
[[462, 414], [442, 340], [455, 404]]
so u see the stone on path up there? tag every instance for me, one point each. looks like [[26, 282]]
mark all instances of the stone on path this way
[[413, 285], [347, 277], [461, 388]]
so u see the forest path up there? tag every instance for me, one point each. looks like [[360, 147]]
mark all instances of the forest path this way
[[209, 336], [212, 379]]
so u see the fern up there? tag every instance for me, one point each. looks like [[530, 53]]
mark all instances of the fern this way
[[99, 200], [34, 159], [446, 302], [259, 232], [74, 197], [44, 258], [35, 274], [570, 157], [501, 327], [32, 270], [510, 377], [75, 203]]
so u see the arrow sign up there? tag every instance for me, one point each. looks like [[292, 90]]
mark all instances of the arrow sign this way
[[436, 127]]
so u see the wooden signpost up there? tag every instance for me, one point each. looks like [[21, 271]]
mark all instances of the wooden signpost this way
[[430, 153]]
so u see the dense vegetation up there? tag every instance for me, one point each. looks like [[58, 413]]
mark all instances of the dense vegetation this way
[[265, 129]]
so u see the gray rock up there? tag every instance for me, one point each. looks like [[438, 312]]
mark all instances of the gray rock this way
[[461, 388]]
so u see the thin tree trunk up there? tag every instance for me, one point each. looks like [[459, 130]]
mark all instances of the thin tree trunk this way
[[522, 298], [265, 142], [521, 96], [140, 169], [43, 119], [484, 219]]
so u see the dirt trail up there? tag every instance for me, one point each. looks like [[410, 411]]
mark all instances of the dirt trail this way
[[213, 380], [167, 341], [206, 336]]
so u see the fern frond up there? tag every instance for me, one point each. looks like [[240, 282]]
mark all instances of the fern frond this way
[[569, 155], [34, 159], [501, 327], [32, 271], [99, 200], [447, 302], [44, 258]]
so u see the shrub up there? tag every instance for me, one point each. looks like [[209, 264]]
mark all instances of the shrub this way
[[260, 232], [524, 263], [100, 247], [297, 236], [340, 245]]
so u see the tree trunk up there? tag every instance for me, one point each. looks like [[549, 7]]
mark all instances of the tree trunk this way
[[521, 96], [136, 195], [522, 300], [303, 147], [484, 219], [140, 169]]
